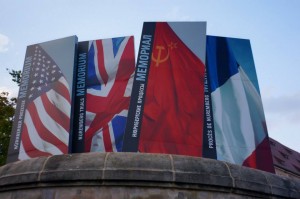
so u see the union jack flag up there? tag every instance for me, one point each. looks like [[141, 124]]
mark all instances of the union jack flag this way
[[47, 116], [111, 68]]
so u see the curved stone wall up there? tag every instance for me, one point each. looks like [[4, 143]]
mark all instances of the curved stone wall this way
[[136, 175]]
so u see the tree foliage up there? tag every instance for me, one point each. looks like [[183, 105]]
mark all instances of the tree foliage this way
[[16, 75], [7, 111]]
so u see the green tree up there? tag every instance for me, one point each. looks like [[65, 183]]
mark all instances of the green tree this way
[[16, 75], [7, 111]]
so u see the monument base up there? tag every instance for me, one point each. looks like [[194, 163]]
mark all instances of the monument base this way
[[137, 175]]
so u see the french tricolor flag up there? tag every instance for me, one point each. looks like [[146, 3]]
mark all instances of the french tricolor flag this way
[[239, 122]]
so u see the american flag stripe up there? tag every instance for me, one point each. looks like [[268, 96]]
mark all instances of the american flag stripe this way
[[47, 114], [100, 62], [58, 116], [39, 141], [59, 102], [45, 146], [62, 88], [35, 124], [33, 147], [22, 154], [50, 124]]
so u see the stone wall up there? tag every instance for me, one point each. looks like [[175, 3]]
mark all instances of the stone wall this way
[[136, 175]]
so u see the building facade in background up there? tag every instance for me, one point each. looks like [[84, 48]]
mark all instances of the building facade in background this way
[[286, 161]]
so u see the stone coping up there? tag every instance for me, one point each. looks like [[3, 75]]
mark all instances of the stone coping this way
[[144, 170]]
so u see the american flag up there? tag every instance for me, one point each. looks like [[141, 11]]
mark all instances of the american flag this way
[[47, 116], [111, 68]]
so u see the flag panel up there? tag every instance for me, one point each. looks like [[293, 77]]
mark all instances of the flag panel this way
[[239, 122], [104, 103], [42, 119], [166, 114]]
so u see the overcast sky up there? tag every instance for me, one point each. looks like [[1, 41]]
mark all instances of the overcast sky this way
[[272, 26]]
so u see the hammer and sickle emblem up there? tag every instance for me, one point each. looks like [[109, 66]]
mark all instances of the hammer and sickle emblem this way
[[159, 59]]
